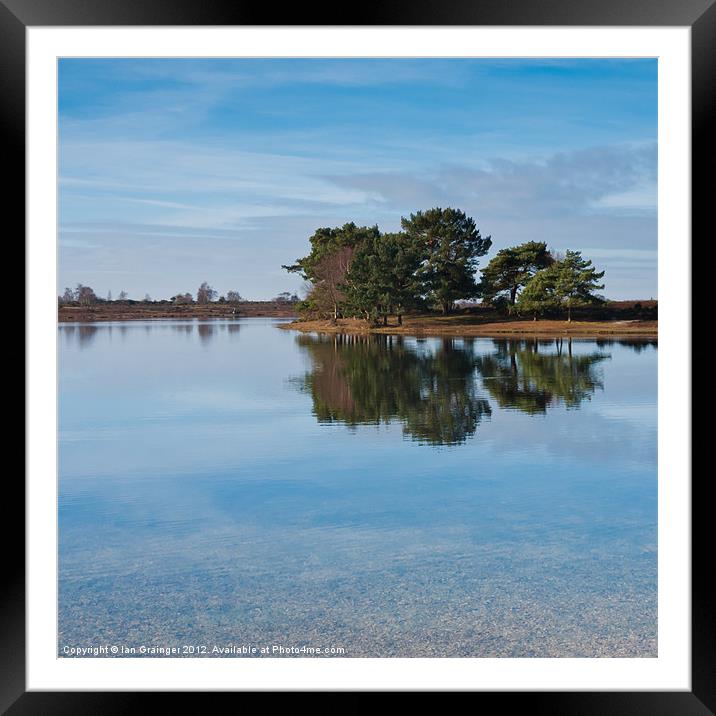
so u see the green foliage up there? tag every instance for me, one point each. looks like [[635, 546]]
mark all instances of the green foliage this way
[[326, 242], [538, 296], [326, 266], [451, 244], [577, 280], [567, 283], [382, 276], [357, 270], [511, 269]]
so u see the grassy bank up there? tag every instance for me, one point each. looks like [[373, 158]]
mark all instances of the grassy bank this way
[[627, 318], [143, 311], [455, 326]]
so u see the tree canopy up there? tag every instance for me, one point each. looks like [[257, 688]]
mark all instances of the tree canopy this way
[[566, 283], [511, 269], [358, 271], [382, 276], [451, 245], [326, 242], [326, 266], [362, 272]]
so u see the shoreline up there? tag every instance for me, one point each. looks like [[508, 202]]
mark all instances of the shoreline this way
[[163, 311], [443, 326], [621, 323]]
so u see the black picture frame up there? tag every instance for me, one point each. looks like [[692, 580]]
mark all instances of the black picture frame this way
[[699, 15]]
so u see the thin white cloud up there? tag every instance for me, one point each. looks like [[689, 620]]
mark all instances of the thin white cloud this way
[[568, 183], [638, 198]]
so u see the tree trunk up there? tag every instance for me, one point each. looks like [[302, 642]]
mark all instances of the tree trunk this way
[[513, 295], [385, 319], [569, 314], [400, 319]]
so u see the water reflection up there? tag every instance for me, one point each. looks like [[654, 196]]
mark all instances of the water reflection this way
[[518, 375], [441, 392], [206, 332], [84, 334], [636, 344], [360, 380], [186, 328]]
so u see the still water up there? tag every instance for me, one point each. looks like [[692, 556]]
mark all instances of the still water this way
[[229, 484]]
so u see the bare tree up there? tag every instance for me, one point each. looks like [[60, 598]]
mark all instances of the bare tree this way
[[84, 295], [205, 294], [109, 296], [233, 297], [147, 298], [67, 297], [183, 298], [330, 274], [123, 296]]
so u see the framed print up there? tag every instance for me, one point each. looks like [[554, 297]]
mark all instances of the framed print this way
[[346, 368]]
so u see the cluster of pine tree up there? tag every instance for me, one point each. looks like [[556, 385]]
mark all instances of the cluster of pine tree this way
[[529, 279], [362, 272], [430, 264]]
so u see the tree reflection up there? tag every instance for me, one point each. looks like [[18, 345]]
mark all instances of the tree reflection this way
[[435, 391], [450, 408], [206, 332], [521, 375], [84, 334], [359, 380], [636, 344]]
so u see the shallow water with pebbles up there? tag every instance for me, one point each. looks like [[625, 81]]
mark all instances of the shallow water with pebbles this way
[[228, 489]]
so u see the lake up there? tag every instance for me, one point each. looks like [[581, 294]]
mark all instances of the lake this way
[[228, 487]]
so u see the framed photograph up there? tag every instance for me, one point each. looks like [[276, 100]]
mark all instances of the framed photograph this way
[[358, 353]]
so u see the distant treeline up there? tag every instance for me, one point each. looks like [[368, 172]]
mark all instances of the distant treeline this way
[[205, 294], [361, 272]]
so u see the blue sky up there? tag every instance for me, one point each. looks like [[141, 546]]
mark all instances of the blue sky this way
[[174, 172]]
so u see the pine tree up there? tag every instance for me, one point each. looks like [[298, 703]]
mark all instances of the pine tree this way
[[451, 245], [382, 277], [567, 283], [512, 268]]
